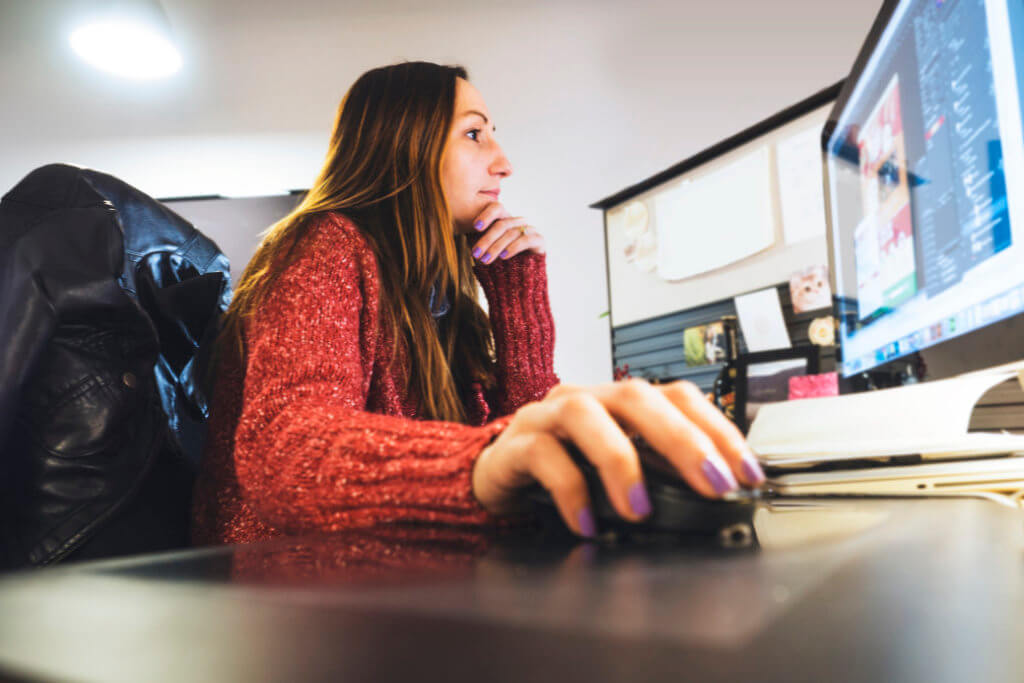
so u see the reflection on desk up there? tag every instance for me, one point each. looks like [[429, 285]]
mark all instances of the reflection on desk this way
[[851, 590]]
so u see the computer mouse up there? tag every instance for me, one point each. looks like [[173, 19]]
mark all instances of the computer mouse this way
[[675, 507]]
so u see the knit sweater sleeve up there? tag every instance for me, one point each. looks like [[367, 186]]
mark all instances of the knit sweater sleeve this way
[[524, 330], [309, 456]]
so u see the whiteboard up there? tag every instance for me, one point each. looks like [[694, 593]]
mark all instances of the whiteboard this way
[[746, 220]]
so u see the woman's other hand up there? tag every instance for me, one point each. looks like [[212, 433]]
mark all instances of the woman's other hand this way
[[503, 236], [675, 419]]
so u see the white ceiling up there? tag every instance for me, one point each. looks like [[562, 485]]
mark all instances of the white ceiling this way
[[272, 66], [253, 66]]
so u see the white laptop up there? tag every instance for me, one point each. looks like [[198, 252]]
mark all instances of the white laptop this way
[[1003, 475]]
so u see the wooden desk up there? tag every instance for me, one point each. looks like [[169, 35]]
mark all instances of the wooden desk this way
[[924, 590]]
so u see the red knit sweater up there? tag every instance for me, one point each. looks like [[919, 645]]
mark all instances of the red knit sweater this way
[[314, 433]]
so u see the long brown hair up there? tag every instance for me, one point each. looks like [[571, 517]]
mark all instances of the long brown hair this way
[[383, 171]]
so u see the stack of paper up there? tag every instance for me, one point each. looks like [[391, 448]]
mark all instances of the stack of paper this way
[[928, 419]]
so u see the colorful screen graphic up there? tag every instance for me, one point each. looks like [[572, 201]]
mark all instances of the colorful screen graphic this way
[[884, 240]]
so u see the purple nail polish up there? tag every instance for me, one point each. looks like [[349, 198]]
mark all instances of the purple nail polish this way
[[479, 225], [487, 258], [587, 525], [753, 472], [477, 252], [720, 481], [638, 499], [504, 253]]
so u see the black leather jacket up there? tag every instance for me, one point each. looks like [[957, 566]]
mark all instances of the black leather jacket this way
[[105, 297]]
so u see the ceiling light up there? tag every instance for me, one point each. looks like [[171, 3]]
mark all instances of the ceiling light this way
[[131, 40]]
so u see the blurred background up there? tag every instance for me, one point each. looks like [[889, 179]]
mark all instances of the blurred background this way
[[588, 96]]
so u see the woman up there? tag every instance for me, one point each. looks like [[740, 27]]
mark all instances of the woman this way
[[360, 383]]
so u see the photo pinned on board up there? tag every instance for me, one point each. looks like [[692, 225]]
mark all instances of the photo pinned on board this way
[[809, 289], [641, 246], [711, 343]]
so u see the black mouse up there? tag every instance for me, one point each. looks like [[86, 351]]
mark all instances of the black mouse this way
[[675, 507]]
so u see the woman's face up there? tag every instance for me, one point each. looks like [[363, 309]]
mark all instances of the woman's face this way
[[473, 164]]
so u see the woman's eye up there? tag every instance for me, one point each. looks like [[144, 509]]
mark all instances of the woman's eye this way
[[474, 134]]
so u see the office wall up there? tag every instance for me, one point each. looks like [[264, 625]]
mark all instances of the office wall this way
[[588, 97]]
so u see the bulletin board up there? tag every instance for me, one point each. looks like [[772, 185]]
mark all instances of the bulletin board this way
[[744, 214]]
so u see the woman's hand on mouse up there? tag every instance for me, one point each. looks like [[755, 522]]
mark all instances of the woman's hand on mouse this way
[[675, 419], [502, 235]]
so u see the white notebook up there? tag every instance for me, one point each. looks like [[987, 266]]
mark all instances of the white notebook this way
[[929, 420]]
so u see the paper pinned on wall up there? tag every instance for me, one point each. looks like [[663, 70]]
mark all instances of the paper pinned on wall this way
[[761, 321], [800, 186], [715, 220]]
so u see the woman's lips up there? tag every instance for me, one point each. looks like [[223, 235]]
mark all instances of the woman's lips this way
[[491, 193]]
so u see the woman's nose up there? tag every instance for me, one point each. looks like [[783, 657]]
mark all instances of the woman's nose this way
[[501, 165]]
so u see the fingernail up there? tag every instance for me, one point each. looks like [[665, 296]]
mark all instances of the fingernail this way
[[487, 258], [721, 481], [504, 253], [479, 225], [752, 471], [477, 252], [588, 528], [638, 499]]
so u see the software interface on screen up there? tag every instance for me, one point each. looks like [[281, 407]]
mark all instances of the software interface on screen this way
[[925, 170]]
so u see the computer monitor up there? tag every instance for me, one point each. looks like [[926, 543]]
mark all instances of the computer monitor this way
[[924, 179]]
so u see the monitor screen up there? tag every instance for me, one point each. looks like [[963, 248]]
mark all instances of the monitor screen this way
[[924, 168]]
